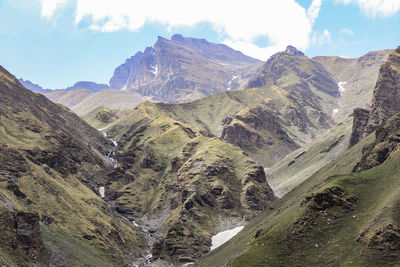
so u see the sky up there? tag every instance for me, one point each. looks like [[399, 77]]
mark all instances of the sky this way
[[56, 43]]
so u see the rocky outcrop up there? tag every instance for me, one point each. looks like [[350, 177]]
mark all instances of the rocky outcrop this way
[[27, 230], [385, 241], [360, 121], [387, 139], [386, 99], [329, 198], [291, 50], [20, 232], [258, 131]]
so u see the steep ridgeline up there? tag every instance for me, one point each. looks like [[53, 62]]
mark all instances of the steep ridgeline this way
[[185, 186], [384, 117], [183, 69], [336, 217], [51, 166], [356, 78], [385, 101], [33, 86], [270, 121]]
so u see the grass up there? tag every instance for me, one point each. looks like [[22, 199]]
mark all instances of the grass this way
[[286, 210]]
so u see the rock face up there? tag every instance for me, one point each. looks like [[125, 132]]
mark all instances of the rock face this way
[[27, 229], [122, 73], [386, 142], [292, 61], [291, 50], [386, 241], [182, 69], [258, 132], [360, 121], [20, 233], [386, 98], [385, 102]]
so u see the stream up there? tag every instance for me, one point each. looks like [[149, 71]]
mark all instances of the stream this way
[[150, 237]]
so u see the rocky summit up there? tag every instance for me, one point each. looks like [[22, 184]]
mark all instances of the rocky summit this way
[[183, 69]]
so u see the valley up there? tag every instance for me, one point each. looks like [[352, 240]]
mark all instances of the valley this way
[[198, 154]]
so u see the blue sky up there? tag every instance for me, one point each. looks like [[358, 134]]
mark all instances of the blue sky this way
[[57, 42]]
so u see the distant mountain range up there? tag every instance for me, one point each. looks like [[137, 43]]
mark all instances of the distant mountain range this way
[[91, 86]]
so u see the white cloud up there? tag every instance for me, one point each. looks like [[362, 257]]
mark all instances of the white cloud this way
[[50, 6], [313, 11], [346, 31], [321, 38], [373, 8], [282, 22]]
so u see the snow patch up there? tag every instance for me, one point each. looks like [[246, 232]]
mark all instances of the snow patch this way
[[102, 192], [230, 82], [154, 70], [335, 111], [222, 237], [124, 88], [341, 87], [114, 143]]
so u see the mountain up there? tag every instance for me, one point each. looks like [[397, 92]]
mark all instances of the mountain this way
[[356, 78], [345, 212], [187, 171], [267, 122], [33, 87], [385, 102], [181, 184], [183, 69], [52, 166], [91, 86]]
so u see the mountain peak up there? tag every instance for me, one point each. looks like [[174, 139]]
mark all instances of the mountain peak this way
[[291, 50], [178, 38]]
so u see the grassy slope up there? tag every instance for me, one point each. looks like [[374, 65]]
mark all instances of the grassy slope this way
[[302, 163], [28, 124], [286, 210], [100, 117], [330, 244]]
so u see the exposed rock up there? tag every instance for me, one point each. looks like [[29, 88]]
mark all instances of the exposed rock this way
[[291, 50], [122, 73], [360, 121], [27, 229], [385, 102], [386, 241], [292, 61], [386, 142], [386, 98], [182, 69], [258, 131], [330, 197]]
